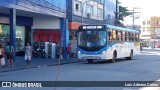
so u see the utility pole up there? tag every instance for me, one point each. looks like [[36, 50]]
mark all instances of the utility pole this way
[[116, 13], [135, 17]]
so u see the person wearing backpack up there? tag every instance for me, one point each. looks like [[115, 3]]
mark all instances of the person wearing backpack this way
[[10, 53]]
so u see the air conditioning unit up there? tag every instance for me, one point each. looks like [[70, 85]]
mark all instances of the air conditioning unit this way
[[88, 15]]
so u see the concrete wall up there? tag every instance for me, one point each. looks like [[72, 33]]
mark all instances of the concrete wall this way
[[150, 29], [145, 34], [155, 21], [40, 23], [95, 5]]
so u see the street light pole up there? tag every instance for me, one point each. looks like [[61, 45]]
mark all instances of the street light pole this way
[[82, 10]]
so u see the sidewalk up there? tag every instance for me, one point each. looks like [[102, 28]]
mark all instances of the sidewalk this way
[[150, 49], [20, 64]]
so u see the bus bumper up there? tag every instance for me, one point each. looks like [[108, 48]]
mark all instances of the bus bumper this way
[[86, 56]]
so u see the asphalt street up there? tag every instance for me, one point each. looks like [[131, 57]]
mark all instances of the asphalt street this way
[[144, 67]]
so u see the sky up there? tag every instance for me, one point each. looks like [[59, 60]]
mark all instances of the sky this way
[[148, 8]]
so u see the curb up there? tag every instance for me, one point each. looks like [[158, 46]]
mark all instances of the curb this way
[[40, 66]]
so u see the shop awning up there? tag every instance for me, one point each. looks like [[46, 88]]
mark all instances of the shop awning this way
[[73, 25]]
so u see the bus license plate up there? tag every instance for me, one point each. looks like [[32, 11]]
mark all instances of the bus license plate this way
[[91, 57]]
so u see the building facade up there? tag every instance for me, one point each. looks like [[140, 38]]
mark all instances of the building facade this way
[[90, 12], [110, 11], [85, 12], [33, 21], [150, 30]]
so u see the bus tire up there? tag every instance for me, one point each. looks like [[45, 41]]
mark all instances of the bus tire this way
[[90, 60], [114, 57], [131, 56]]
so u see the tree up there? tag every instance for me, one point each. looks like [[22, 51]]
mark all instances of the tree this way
[[123, 12]]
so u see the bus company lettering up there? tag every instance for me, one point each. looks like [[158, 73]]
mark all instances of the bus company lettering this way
[[34, 85], [14, 84]]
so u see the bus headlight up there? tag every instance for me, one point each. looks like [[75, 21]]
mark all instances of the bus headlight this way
[[103, 52], [79, 52]]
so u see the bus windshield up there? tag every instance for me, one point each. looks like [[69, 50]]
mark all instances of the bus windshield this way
[[92, 40]]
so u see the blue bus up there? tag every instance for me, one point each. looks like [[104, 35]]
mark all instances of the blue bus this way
[[107, 42]]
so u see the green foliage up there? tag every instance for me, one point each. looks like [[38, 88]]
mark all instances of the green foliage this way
[[123, 12], [118, 23]]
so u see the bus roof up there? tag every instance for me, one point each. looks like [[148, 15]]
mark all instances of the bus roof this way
[[121, 28], [108, 26]]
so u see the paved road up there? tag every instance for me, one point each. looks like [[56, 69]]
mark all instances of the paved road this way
[[144, 67]]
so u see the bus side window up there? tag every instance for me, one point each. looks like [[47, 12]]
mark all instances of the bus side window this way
[[126, 35], [120, 35], [123, 36], [130, 36], [114, 35], [117, 36], [137, 37], [109, 35], [133, 36]]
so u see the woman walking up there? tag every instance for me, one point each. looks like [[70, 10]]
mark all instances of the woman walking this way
[[28, 54]]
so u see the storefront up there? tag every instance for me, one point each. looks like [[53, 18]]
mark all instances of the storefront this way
[[73, 27], [22, 32], [29, 21], [52, 36], [20, 35]]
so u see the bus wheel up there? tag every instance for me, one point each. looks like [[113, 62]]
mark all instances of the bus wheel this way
[[131, 56], [90, 60], [114, 57]]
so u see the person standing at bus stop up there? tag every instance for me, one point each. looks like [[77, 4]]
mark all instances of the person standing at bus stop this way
[[58, 49], [10, 54], [68, 48], [28, 53]]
